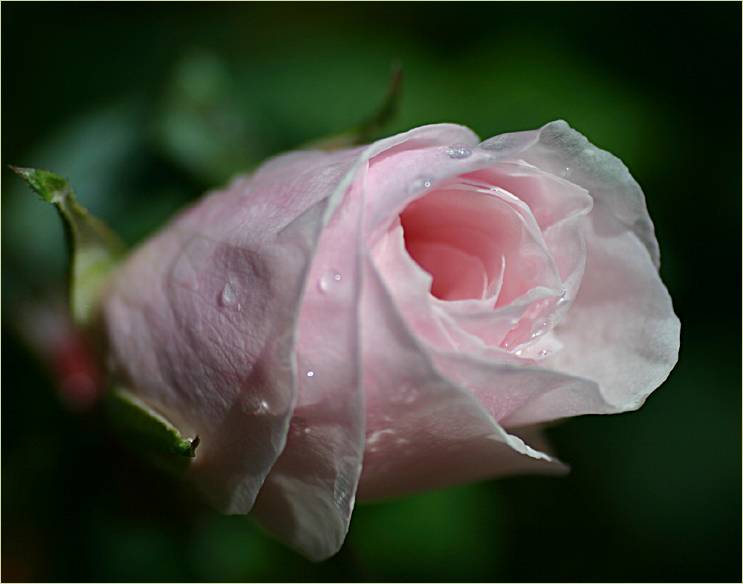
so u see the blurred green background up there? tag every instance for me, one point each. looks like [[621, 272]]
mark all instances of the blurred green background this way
[[145, 106]]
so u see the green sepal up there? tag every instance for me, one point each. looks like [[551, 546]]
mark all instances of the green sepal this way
[[148, 433], [94, 249], [368, 130]]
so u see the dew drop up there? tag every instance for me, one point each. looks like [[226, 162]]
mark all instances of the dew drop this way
[[228, 296], [458, 151], [420, 184], [379, 435], [566, 172], [310, 373], [261, 408], [518, 352], [543, 353], [540, 330], [324, 283]]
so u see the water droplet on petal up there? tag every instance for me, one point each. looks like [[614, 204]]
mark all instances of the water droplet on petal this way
[[566, 172], [541, 329], [324, 283], [543, 353], [261, 408], [375, 437], [228, 295], [459, 151], [310, 373], [420, 184]]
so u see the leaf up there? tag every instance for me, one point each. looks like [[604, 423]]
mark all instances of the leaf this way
[[369, 129], [94, 249], [148, 432]]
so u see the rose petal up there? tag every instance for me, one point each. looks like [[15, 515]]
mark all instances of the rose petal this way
[[424, 431], [621, 330], [457, 274], [558, 149], [308, 497], [486, 224], [219, 291]]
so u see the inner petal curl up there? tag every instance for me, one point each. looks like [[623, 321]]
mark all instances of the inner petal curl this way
[[477, 243]]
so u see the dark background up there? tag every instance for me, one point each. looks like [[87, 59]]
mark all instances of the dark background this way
[[144, 106]]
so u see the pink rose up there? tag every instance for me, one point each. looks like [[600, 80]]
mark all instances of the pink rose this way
[[392, 318]]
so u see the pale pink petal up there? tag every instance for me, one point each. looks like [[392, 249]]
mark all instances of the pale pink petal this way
[[308, 497], [486, 224], [621, 330], [201, 320], [511, 248], [503, 384], [558, 149], [514, 394], [423, 431]]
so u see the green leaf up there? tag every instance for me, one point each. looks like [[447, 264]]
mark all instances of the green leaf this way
[[94, 249], [368, 130], [148, 432]]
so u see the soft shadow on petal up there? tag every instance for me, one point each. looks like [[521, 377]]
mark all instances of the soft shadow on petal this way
[[513, 395]]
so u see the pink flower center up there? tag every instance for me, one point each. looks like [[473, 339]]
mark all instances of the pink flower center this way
[[474, 242]]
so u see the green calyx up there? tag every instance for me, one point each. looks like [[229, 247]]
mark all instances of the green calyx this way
[[94, 252], [94, 248], [148, 432]]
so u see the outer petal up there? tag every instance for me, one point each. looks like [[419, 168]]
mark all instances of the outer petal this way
[[559, 149], [309, 495], [621, 331], [201, 320]]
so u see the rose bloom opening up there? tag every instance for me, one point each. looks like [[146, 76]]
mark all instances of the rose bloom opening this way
[[376, 321]]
